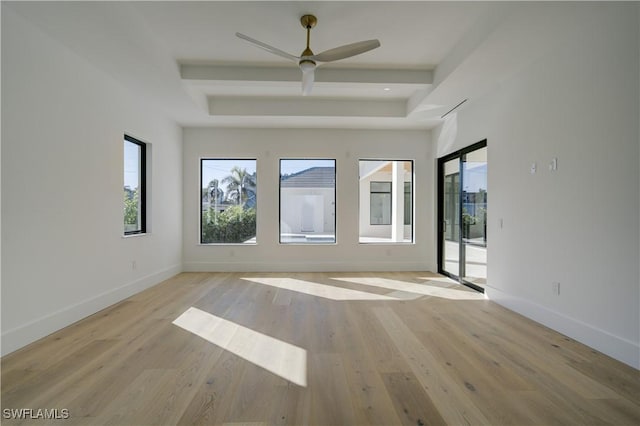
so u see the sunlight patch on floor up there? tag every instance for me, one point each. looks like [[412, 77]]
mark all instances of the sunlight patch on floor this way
[[280, 358], [432, 288], [319, 290]]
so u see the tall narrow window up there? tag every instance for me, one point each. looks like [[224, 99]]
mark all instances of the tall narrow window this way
[[135, 153], [228, 195], [386, 201], [308, 201]]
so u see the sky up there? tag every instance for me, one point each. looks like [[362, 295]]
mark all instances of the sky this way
[[219, 169], [475, 177], [131, 164]]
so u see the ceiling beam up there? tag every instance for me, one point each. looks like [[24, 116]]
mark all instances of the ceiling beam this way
[[292, 74], [304, 107]]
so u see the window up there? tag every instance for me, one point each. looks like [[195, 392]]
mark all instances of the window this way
[[228, 196], [380, 210], [308, 201], [386, 201], [408, 206], [135, 153]]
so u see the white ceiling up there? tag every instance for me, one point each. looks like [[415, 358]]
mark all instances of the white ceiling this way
[[184, 57], [413, 34]]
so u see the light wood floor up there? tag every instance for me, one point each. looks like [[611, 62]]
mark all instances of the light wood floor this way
[[381, 348]]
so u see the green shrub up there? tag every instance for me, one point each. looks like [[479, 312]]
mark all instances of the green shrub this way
[[234, 225]]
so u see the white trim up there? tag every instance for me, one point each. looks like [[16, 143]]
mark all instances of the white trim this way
[[617, 347], [140, 234], [227, 244], [307, 266], [25, 334]]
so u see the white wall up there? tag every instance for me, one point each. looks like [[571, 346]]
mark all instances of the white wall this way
[[347, 147], [577, 225], [63, 253], [297, 214]]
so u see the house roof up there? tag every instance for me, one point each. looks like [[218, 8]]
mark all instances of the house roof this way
[[314, 177]]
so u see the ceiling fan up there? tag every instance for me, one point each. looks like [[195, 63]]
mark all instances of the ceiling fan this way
[[307, 60]]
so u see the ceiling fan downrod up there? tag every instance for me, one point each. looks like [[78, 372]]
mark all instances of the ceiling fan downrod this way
[[308, 22]]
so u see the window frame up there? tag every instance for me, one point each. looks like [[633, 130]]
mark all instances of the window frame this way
[[335, 202], [142, 182], [412, 186], [201, 162]]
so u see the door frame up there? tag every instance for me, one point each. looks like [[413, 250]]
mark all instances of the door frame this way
[[440, 202]]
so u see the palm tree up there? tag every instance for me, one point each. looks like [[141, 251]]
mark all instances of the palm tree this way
[[237, 183], [215, 194]]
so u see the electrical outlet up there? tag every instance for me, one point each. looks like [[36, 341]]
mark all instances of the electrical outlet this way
[[134, 265], [555, 287]]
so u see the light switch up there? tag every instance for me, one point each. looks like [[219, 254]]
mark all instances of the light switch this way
[[534, 168]]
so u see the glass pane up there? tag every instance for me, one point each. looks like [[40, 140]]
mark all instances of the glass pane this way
[[408, 201], [132, 187], [451, 214], [308, 201], [229, 189], [380, 209], [474, 216], [381, 187], [386, 201]]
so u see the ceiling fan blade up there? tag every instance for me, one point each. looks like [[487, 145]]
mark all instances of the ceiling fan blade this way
[[346, 51], [307, 81], [268, 48]]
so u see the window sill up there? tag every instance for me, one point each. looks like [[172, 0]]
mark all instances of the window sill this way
[[143, 234], [227, 244]]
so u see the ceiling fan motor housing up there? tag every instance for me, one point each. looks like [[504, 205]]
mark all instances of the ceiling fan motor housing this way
[[308, 21]]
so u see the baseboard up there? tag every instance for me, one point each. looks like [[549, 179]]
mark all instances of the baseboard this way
[[614, 346], [333, 266], [25, 334]]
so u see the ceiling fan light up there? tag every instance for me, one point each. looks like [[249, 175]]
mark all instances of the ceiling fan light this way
[[307, 65]]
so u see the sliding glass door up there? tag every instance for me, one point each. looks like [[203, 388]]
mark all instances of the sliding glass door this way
[[462, 214]]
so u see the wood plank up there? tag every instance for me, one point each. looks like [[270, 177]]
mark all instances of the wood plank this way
[[330, 399], [433, 359], [412, 404], [370, 397], [49, 383], [450, 396], [210, 402]]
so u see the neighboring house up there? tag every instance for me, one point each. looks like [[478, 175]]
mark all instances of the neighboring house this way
[[213, 198], [250, 202], [308, 201], [376, 207]]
